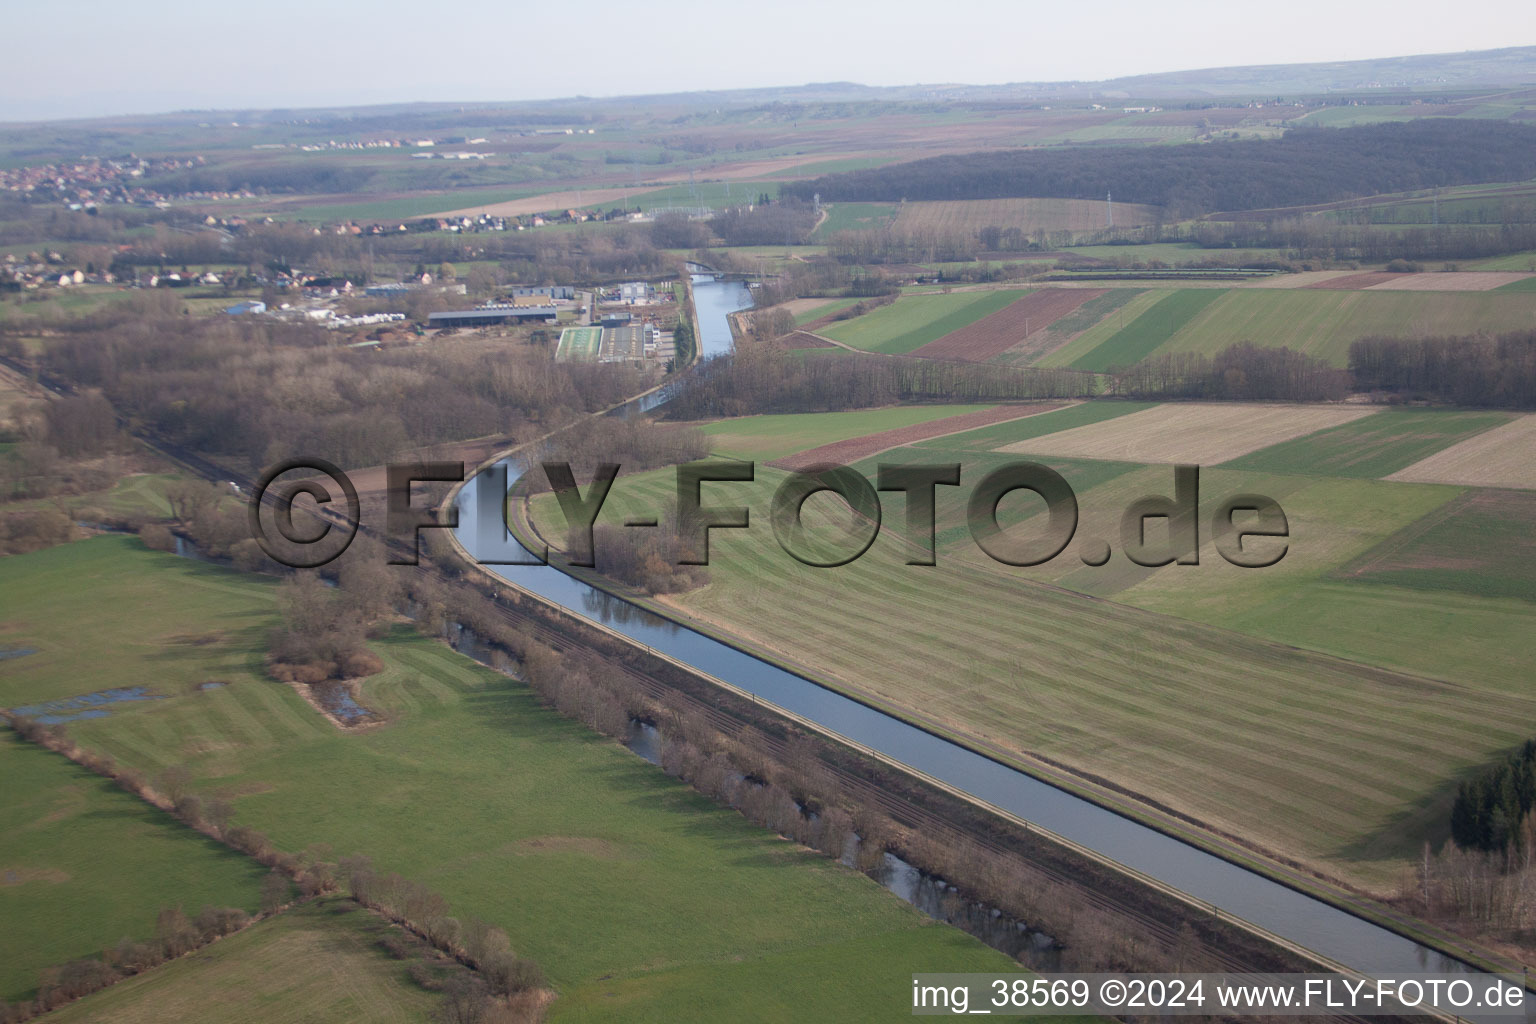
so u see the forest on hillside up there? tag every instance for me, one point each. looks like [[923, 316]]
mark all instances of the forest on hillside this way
[[1306, 165]]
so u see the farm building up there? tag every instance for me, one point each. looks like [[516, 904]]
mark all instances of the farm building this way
[[249, 307], [548, 291], [488, 316]]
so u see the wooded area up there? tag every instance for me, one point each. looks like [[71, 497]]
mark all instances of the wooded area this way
[[1306, 165]]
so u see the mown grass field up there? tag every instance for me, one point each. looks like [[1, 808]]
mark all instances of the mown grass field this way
[[914, 320], [319, 963], [1339, 765], [602, 869], [1376, 446], [84, 864]]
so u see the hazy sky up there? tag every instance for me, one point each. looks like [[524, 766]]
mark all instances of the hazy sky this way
[[93, 57]]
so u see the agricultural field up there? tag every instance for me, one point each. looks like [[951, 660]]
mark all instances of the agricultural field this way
[[855, 217], [1149, 331], [1502, 457], [856, 448], [765, 438], [83, 863], [1127, 311], [473, 788], [1374, 446], [1202, 434], [1065, 329], [1226, 726], [1009, 328], [1464, 281], [1525, 261], [988, 439], [969, 216], [1483, 543], [1322, 322], [806, 310], [319, 962], [913, 321]]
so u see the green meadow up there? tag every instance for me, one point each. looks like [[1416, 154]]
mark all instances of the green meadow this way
[[319, 962], [84, 864], [608, 873]]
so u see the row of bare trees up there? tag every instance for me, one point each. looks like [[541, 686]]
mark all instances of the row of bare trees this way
[[1466, 370], [175, 934], [1245, 372], [757, 380]]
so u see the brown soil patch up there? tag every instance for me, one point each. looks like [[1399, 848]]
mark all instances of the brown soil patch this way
[[547, 203], [802, 339], [21, 876], [1302, 279], [851, 450], [1008, 327], [1460, 281], [1203, 434], [799, 307], [1502, 457], [1354, 282]]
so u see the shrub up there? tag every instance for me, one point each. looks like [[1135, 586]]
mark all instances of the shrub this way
[[158, 537]]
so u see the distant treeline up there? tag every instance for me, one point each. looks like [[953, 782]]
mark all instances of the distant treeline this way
[[1306, 165], [1492, 812], [1245, 372], [1315, 238], [760, 382], [1476, 370], [306, 176]]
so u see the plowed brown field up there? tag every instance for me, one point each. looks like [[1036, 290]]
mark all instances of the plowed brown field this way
[[1354, 282], [1009, 326]]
